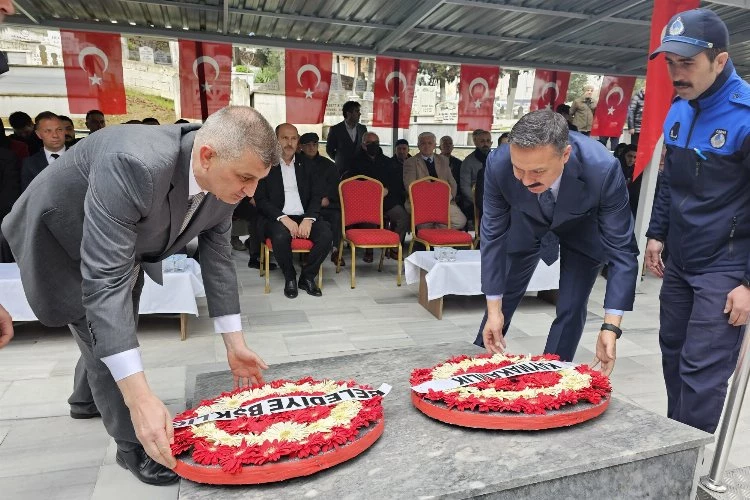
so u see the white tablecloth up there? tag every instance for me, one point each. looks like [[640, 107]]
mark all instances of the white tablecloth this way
[[464, 276], [176, 296]]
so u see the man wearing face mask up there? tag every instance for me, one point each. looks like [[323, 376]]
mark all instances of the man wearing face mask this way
[[701, 212], [371, 161], [568, 200], [470, 167]]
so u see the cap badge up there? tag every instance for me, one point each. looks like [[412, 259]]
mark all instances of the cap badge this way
[[677, 28]]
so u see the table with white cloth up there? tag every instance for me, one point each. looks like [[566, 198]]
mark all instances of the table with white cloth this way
[[463, 277], [177, 295]]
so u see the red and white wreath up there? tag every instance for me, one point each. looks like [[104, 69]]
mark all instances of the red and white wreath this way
[[248, 441], [501, 390]]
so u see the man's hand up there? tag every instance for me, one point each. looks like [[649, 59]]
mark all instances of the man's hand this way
[[6, 327], [606, 352], [738, 306], [151, 419], [304, 228], [653, 257], [290, 225], [325, 202], [385, 192], [492, 335], [246, 366]]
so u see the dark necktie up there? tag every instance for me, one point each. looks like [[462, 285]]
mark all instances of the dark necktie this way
[[550, 243], [54, 156], [431, 167]]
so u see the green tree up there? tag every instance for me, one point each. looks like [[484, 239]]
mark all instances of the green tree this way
[[575, 87], [270, 64], [437, 74]]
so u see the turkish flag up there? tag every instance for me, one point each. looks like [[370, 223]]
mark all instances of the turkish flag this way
[[660, 89], [394, 90], [93, 72], [308, 79], [550, 89], [476, 96], [612, 107], [205, 78]]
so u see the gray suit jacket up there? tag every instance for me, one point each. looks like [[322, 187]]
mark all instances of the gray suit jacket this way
[[116, 199]]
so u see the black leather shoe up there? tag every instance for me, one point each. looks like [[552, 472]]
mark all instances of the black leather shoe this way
[[82, 416], [145, 468], [290, 289], [310, 287], [254, 263]]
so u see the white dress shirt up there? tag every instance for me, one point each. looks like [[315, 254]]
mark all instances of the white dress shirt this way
[[126, 363], [49, 154], [292, 200], [555, 188]]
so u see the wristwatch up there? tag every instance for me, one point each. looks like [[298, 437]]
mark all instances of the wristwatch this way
[[612, 328], [745, 282]]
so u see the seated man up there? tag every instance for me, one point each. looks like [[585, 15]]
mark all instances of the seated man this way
[[471, 165], [328, 174], [371, 161], [289, 199], [428, 163]]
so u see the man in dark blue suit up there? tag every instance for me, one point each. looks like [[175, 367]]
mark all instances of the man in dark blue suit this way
[[546, 192]]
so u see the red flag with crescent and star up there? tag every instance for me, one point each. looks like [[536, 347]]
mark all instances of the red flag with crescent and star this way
[[550, 89], [612, 107], [307, 79], [476, 96], [205, 78], [394, 89], [93, 72]]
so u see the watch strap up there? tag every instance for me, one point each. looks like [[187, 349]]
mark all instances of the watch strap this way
[[612, 328]]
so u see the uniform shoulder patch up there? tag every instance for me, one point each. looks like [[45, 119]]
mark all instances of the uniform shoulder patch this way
[[674, 132]]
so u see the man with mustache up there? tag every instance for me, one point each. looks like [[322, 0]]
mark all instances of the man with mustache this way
[[701, 212], [553, 190]]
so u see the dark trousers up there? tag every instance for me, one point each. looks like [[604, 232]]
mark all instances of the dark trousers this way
[[699, 348], [634, 138], [333, 217], [247, 212], [577, 276], [321, 236], [94, 388], [613, 142]]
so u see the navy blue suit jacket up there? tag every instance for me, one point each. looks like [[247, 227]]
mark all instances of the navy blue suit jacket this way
[[592, 217]]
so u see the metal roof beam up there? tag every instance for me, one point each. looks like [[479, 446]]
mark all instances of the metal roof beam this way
[[545, 12], [510, 39], [417, 16], [573, 29], [225, 17], [262, 13], [23, 10]]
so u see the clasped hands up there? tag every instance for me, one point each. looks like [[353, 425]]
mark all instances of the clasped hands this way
[[301, 230]]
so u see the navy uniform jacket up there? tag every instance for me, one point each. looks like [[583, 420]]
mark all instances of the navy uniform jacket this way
[[592, 217], [703, 210]]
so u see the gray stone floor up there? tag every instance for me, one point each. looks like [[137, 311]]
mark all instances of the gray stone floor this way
[[45, 454]]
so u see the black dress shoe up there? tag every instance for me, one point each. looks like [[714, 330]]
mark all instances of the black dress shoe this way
[[310, 287], [290, 289], [254, 263], [145, 468], [82, 416]]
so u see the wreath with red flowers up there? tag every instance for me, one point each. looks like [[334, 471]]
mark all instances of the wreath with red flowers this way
[[277, 446], [528, 401]]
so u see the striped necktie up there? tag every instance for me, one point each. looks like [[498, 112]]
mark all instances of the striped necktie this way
[[193, 203]]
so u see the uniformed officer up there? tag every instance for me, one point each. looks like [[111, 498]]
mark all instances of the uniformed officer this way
[[703, 213]]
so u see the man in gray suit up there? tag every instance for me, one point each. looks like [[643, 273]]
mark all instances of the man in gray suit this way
[[85, 231]]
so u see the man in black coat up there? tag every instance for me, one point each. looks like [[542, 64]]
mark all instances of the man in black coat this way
[[289, 200], [345, 137], [326, 171], [49, 129]]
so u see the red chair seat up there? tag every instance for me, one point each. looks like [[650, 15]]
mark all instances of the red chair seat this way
[[297, 244], [444, 236], [372, 237]]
